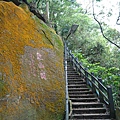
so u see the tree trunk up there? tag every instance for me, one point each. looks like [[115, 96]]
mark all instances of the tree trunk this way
[[47, 11]]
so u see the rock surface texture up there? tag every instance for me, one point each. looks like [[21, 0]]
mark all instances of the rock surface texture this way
[[31, 67]]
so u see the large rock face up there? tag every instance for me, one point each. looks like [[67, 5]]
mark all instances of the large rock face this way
[[31, 67]]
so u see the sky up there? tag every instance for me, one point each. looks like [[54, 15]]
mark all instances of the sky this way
[[109, 5]]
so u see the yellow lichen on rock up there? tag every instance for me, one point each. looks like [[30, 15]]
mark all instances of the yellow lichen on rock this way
[[31, 59]]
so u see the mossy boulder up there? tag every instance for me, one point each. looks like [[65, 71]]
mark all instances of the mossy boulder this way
[[31, 67]]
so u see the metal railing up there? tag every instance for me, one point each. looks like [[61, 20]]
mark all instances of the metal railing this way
[[102, 92], [66, 83]]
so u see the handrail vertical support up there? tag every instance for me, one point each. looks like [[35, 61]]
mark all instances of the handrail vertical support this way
[[111, 102], [72, 59], [65, 47], [80, 69], [100, 87], [66, 81], [76, 62], [86, 76], [93, 81]]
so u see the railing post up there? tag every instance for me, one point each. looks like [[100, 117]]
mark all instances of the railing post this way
[[93, 81], [69, 55], [73, 61], [66, 81], [100, 87], [80, 70], [86, 76], [76, 61], [67, 52], [111, 102], [67, 107]]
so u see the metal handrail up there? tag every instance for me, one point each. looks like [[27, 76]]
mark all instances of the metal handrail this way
[[103, 93], [66, 83]]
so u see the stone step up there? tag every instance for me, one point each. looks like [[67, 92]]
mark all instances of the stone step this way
[[69, 79], [82, 96], [80, 92], [88, 119], [88, 110], [72, 76], [76, 83], [78, 89], [91, 116], [70, 68], [86, 105], [72, 73], [75, 80], [77, 86], [84, 99], [69, 65]]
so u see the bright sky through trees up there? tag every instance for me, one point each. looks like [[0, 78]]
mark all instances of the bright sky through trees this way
[[105, 6]]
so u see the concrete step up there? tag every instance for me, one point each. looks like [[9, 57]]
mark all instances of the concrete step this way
[[77, 86], [79, 89], [69, 79], [72, 72], [88, 110], [77, 83], [84, 99], [89, 119], [82, 96], [91, 116], [80, 92], [87, 105], [73, 77]]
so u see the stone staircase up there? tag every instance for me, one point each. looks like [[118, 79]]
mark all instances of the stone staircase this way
[[84, 103]]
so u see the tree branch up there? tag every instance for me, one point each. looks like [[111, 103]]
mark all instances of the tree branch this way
[[102, 28]]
